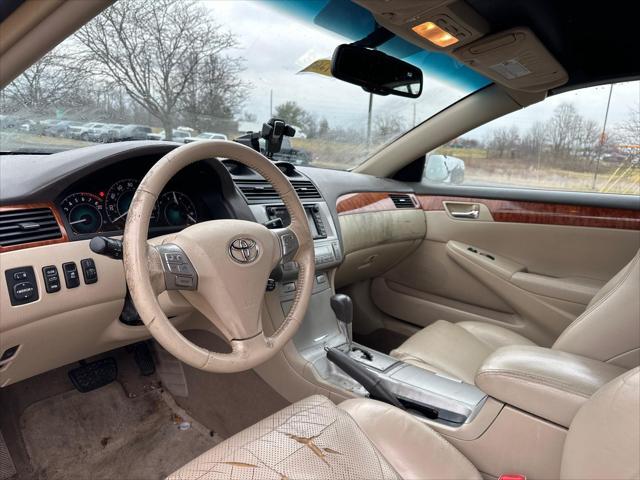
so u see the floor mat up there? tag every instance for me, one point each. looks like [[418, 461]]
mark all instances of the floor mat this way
[[7, 468], [104, 434]]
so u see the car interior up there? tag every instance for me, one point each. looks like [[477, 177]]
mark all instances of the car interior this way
[[420, 261]]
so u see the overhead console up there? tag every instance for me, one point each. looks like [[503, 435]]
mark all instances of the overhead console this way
[[514, 58]]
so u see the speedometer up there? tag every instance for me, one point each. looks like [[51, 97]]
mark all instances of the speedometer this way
[[84, 212], [118, 200]]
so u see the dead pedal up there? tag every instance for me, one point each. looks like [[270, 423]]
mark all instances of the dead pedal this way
[[144, 359], [89, 376]]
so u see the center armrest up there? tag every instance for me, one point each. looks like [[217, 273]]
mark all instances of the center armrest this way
[[547, 383]]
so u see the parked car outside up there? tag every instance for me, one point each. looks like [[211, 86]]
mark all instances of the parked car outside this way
[[178, 136], [115, 130], [134, 132], [288, 153], [61, 128], [444, 169], [206, 136], [8, 122], [81, 132]]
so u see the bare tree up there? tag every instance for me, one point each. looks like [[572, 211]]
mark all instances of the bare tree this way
[[534, 140], [562, 128], [504, 140], [154, 50], [55, 82], [388, 126], [215, 94], [629, 130]]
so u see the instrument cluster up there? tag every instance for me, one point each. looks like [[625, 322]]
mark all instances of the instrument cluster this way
[[90, 212]]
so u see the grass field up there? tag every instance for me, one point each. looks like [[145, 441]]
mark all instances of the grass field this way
[[519, 172]]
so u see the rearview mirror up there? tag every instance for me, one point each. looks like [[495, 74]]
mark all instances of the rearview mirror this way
[[376, 72]]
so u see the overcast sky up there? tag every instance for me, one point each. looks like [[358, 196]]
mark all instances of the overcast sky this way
[[276, 46]]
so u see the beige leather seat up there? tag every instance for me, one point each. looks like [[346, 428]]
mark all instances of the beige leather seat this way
[[608, 330], [365, 439]]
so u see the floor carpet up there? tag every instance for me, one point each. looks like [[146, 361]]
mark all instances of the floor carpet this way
[[106, 434]]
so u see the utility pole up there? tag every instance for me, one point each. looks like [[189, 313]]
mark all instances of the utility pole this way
[[604, 127], [271, 103], [414, 114], [369, 119]]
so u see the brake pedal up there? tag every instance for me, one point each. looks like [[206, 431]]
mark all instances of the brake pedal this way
[[144, 359], [89, 376]]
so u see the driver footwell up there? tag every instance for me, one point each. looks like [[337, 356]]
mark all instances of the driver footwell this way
[[104, 434]]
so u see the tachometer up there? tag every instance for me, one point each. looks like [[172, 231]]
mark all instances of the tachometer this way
[[84, 212], [178, 209]]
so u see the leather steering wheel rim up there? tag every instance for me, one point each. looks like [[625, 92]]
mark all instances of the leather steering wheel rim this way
[[226, 289]]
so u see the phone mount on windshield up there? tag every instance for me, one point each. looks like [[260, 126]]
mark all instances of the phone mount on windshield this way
[[272, 132]]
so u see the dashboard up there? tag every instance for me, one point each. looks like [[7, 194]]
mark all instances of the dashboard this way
[[99, 202]]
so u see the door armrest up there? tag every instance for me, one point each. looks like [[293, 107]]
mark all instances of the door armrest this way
[[547, 383]]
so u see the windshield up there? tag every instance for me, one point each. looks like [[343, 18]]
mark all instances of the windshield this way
[[218, 70]]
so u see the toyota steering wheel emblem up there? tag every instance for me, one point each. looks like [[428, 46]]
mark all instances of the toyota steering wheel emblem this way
[[244, 250]]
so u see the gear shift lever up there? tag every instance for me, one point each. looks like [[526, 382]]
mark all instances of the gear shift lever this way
[[342, 306]]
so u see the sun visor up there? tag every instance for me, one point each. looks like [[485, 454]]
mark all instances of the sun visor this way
[[514, 58]]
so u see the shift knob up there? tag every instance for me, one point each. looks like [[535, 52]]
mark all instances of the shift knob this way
[[342, 306]]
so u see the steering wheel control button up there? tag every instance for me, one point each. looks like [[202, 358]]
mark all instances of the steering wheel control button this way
[[244, 250], [174, 258], [89, 271], [184, 281], [179, 273], [51, 279], [289, 244], [71, 276], [22, 285], [178, 268], [289, 287]]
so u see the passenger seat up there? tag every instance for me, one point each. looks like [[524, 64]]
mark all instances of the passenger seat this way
[[608, 330]]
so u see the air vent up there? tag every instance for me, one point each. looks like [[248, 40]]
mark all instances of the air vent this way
[[305, 189], [401, 200], [26, 226], [261, 191], [257, 191]]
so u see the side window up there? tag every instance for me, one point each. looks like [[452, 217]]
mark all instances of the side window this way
[[586, 140]]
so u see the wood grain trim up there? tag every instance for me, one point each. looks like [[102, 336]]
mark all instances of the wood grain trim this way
[[26, 206], [545, 213], [368, 202]]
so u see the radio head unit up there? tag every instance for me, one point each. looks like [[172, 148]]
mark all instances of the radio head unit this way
[[316, 224]]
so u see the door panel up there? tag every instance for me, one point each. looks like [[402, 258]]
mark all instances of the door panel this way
[[528, 266]]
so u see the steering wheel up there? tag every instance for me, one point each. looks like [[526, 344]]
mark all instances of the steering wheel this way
[[221, 267]]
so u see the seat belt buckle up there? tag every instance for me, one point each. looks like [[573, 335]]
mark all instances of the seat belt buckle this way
[[513, 476]]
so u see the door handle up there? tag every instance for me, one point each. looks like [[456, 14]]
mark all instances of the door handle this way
[[472, 214]]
